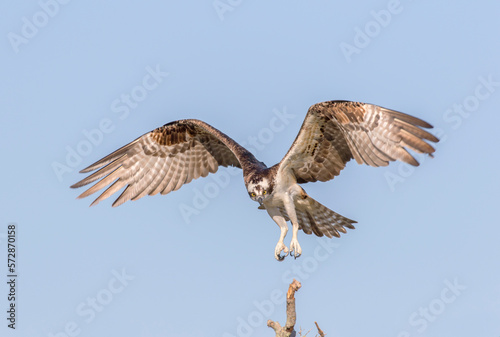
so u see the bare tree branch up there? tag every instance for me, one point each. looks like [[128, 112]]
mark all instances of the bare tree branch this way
[[291, 317], [276, 327], [321, 333]]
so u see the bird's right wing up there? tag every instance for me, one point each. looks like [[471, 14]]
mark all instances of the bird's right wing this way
[[163, 160]]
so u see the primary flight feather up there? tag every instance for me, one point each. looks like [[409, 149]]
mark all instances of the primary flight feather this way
[[332, 133]]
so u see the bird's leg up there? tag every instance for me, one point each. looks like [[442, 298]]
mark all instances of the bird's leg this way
[[295, 249], [280, 246], [275, 214]]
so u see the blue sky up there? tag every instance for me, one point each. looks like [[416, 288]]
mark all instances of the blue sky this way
[[82, 78]]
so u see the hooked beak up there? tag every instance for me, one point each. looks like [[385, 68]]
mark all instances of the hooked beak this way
[[259, 200]]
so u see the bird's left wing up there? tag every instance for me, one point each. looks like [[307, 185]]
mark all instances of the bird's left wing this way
[[163, 160], [334, 132]]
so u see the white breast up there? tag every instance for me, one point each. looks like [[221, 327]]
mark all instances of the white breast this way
[[285, 187]]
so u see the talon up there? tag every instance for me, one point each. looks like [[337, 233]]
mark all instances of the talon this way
[[295, 248], [280, 247], [280, 257]]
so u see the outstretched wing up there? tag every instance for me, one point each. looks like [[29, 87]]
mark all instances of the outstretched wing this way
[[334, 132], [163, 160]]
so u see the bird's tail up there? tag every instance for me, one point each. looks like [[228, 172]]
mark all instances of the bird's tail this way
[[316, 218]]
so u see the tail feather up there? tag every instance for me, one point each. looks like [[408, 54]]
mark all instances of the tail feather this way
[[316, 218]]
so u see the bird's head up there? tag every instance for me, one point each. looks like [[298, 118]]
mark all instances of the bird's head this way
[[260, 190]]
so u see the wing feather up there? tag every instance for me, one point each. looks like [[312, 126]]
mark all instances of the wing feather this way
[[102, 183], [163, 160], [192, 162], [182, 174], [172, 166], [151, 180], [136, 181], [335, 132], [174, 175], [102, 172], [116, 186]]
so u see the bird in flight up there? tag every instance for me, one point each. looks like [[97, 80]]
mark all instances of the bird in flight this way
[[332, 134]]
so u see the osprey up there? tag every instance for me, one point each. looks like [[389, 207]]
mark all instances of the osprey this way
[[332, 133]]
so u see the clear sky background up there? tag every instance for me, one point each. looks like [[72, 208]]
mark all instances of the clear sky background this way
[[424, 258]]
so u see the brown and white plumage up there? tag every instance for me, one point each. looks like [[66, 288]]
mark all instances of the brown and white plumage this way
[[335, 132], [332, 134], [163, 160]]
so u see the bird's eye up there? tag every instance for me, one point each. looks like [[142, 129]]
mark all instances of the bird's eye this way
[[252, 194], [265, 192]]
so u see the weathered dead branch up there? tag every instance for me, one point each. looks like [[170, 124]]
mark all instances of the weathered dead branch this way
[[291, 316]]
